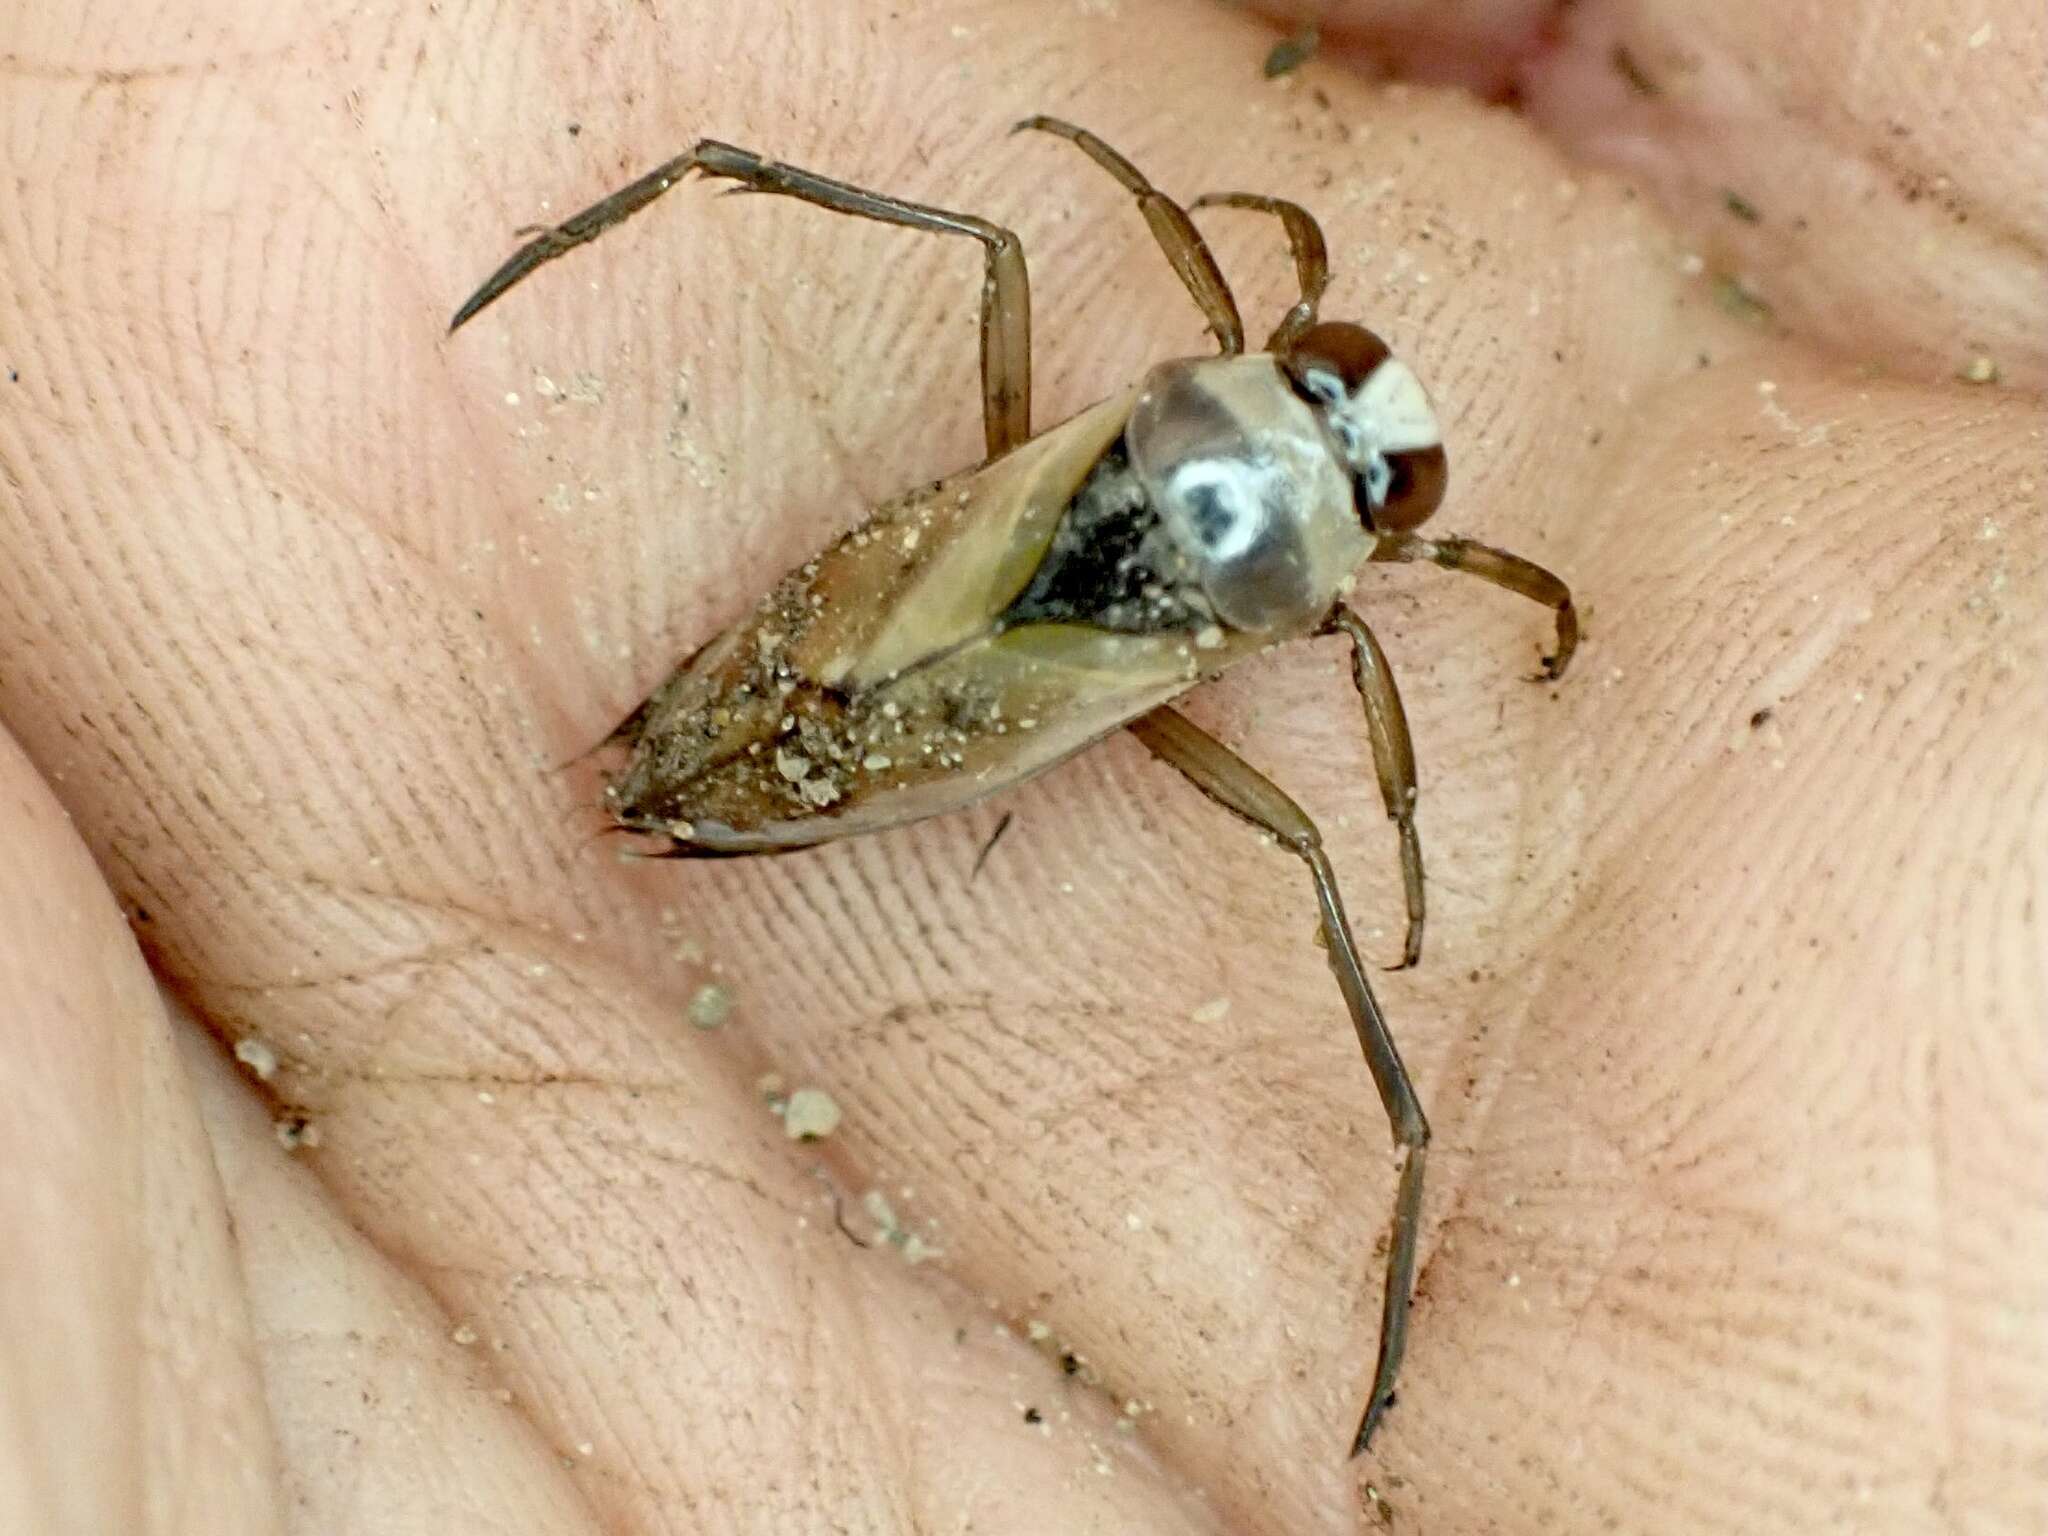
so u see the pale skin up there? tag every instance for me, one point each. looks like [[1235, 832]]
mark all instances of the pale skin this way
[[1729, 1019]]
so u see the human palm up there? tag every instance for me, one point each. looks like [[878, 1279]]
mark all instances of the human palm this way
[[1729, 1021]]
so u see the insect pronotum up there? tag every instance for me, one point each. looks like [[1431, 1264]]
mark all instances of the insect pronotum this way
[[975, 632]]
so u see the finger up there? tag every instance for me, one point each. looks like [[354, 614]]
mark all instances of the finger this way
[[130, 1385], [1870, 185], [379, 1401]]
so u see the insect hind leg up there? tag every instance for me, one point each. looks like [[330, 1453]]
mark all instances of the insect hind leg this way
[[1005, 292], [1242, 790]]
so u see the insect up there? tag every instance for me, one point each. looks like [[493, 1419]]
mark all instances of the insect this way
[[975, 632]]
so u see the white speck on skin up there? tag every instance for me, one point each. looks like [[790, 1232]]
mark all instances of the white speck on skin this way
[[1215, 1011], [711, 1006], [258, 1056], [810, 1114]]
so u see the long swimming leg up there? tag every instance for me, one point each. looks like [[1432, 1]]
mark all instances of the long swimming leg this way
[[1005, 289], [1241, 789]]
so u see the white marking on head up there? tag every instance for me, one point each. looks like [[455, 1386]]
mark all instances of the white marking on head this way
[[1391, 412]]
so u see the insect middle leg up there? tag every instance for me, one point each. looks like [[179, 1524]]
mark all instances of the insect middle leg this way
[[1183, 244], [1005, 289], [1503, 570], [1241, 789], [1393, 758], [1304, 241]]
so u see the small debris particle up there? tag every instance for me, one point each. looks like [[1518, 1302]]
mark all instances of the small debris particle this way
[[770, 1086], [258, 1055], [295, 1131], [575, 129], [1033, 1416], [881, 1213], [1379, 1505], [1978, 38], [1036, 1331], [1741, 206], [1761, 718], [793, 766], [1215, 1011], [820, 792], [712, 1005], [585, 1448], [810, 1114], [1209, 638], [1980, 369], [1630, 68], [875, 762], [1737, 298], [981, 858], [1134, 1221], [14, 375], [1290, 53], [463, 1334], [1070, 1363]]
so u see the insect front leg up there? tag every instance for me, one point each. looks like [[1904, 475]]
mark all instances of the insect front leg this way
[[1393, 758], [1241, 789], [1304, 240], [1503, 570], [1005, 289], [1183, 244]]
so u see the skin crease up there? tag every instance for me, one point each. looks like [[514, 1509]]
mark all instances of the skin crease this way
[[1729, 1018]]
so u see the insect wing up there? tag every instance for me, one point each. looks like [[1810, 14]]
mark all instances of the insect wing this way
[[874, 687]]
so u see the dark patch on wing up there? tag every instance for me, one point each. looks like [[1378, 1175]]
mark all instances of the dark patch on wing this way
[[1111, 564]]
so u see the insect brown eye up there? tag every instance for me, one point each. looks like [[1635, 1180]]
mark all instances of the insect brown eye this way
[[1334, 353], [1416, 478]]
